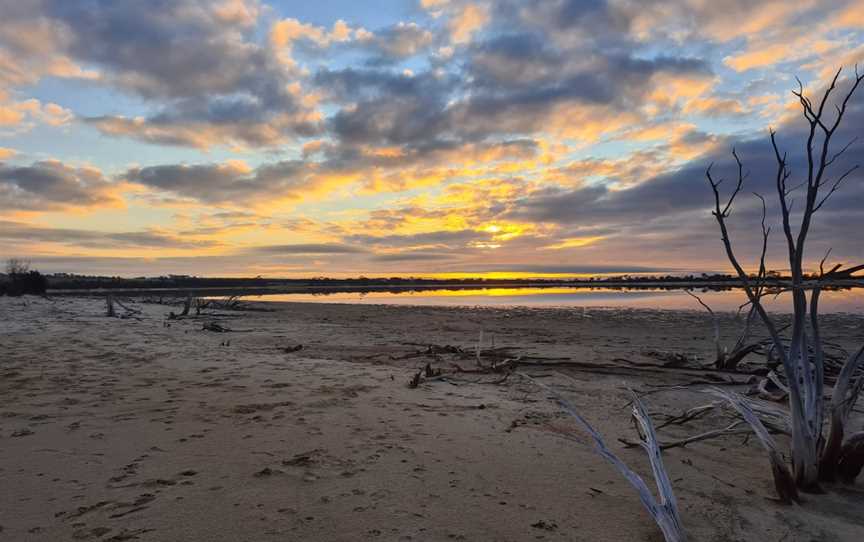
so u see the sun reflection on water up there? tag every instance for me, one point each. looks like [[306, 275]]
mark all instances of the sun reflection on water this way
[[851, 300]]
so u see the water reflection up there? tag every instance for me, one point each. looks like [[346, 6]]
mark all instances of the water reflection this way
[[851, 300]]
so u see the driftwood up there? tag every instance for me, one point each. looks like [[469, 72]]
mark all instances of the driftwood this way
[[771, 395], [689, 415], [187, 305], [783, 481], [732, 429], [723, 358], [843, 398], [111, 311], [851, 459], [215, 327], [664, 509], [502, 361]]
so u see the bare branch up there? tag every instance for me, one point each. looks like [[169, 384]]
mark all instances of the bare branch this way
[[664, 511], [834, 188], [783, 481], [840, 153]]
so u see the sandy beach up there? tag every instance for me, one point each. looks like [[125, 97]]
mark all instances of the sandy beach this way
[[151, 429]]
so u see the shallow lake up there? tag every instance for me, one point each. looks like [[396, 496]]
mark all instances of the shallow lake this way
[[850, 301]]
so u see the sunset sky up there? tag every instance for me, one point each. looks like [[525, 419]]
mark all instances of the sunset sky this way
[[406, 137]]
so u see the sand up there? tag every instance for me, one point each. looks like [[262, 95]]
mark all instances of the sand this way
[[147, 429]]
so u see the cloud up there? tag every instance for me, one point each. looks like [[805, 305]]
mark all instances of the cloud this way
[[412, 256], [18, 232], [515, 85], [224, 183], [141, 47], [197, 62], [365, 169], [21, 116], [655, 211], [482, 132], [203, 129], [284, 33], [50, 184], [307, 248], [396, 42], [565, 269], [470, 19], [439, 239], [33, 46]]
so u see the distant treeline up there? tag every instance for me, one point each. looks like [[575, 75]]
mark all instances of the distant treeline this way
[[84, 282], [26, 281]]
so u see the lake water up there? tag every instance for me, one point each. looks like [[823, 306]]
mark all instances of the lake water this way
[[849, 301]]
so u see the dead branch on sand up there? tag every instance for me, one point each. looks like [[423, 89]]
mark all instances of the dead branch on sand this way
[[664, 509], [723, 358], [731, 429], [783, 481], [110, 311]]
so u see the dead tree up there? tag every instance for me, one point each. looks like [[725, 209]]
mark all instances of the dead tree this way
[[804, 372]]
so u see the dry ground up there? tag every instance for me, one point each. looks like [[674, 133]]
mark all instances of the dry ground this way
[[125, 429]]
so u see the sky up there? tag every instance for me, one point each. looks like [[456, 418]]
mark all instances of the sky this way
[[410, 137]]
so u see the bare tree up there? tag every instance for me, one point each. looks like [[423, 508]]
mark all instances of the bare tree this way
[[14, 266], [812, 459]]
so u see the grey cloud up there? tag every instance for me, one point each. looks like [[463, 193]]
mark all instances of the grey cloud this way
[[392, 120], [24, 233], [437, 238], [219, 183], [397, 42], [51, 184], [196, 66], [307, 248], [508, 86], [165, 48], [412, 256], [564, 269], [351, 84]]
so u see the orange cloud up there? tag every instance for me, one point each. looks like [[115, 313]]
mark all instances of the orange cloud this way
[[852, 16], [19, 113], [713, 106], [468, 21], [237, 11], [760, 54]]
